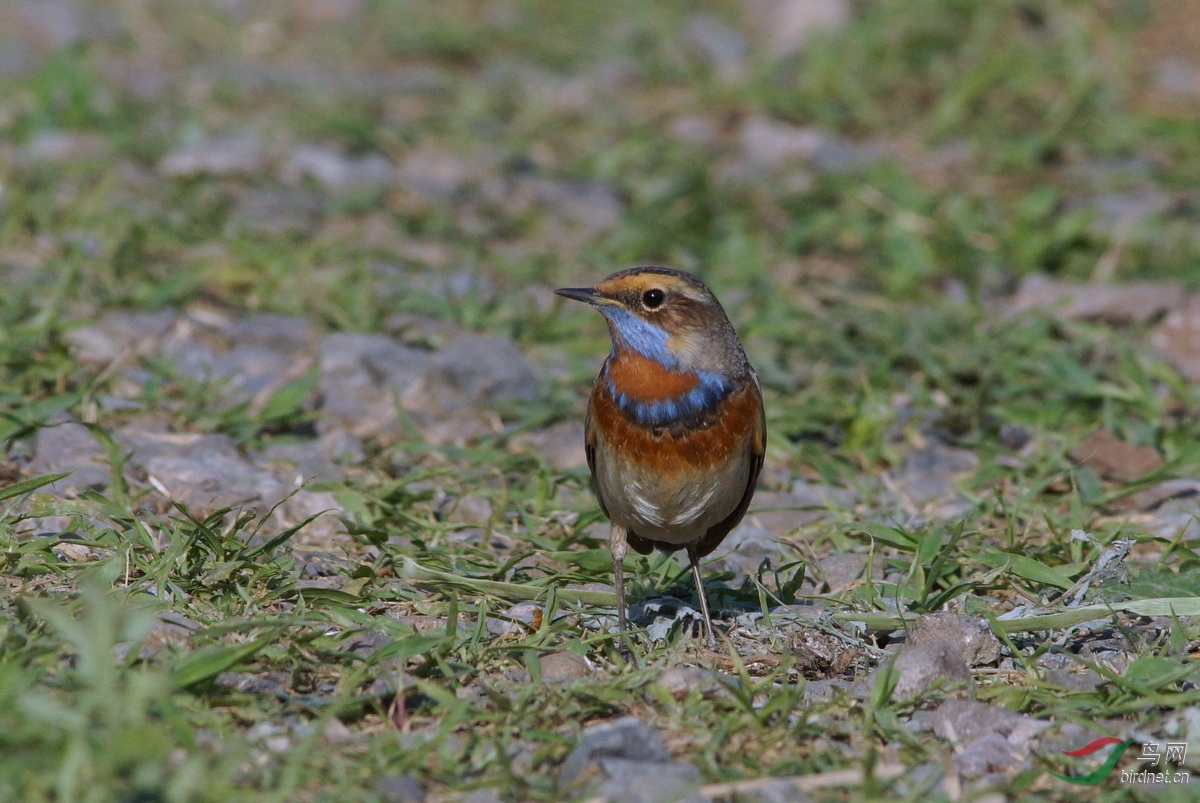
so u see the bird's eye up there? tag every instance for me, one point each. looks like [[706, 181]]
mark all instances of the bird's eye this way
[[653, 299]]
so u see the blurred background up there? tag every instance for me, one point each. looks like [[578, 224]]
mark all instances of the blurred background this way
[[277, 334], [347, 158]]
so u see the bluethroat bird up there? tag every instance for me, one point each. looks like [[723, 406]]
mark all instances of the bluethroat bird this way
[[675, 430]]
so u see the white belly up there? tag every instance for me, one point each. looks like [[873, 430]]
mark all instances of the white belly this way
[[677, 508]]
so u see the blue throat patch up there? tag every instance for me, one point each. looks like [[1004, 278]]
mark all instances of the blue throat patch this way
[[640, 336], [651, 341]]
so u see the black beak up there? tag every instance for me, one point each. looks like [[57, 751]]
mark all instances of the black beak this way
[[588, 295]]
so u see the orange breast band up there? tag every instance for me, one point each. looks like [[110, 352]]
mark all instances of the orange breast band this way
[[642, 379], [738, 425]]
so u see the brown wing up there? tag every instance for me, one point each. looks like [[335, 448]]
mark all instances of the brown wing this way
[[758, 447], [589, 444], [589, 450]]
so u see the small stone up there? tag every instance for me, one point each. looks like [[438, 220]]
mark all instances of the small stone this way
[[1071, 736], [61, 147], [564, 665], [70, 447], [788, 25], [203, 472], [721, 47], [279, 210], [361, 377], [825, 691], [561, 445], [424, 625], [325, 530], [928, 474], [219, 156], [1013, 437], [523, 613], [328, 12], [168, 630], [118, 334], [631, 781], [680, 681], [696, 129], [140, 74], [402, 789], [745, 548], [335, 172], [70, 552], [274, 737], [1085, 681], [306, 461], [1176, 338], [627, 762], [10, 472], [990, 755], [53, 24], [452, 286], [436, 172], [1111, 457], [250, 357], [321, 565], [919, 668], [431, 253], [784, 514], [483, 796], [627, 738], [963, 721], [768, 144], [470, 509], [485, 369], [971, 636], [1176, 75], [267, 684], [1156, 495], [336, 731], [1131, 302], [278, 334], [592, 206], [1122, 209], [771, 790], [840, 570], [822, 496]]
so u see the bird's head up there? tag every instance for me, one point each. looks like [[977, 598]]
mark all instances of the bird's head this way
[[666, 315]]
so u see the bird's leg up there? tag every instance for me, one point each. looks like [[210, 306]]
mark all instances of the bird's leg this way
[[619, 547], [694, 559]]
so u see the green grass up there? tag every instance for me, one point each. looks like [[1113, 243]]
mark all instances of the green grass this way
[[869, 298]]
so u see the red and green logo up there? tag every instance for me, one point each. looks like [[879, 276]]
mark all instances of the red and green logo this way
[[1100, 773]]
